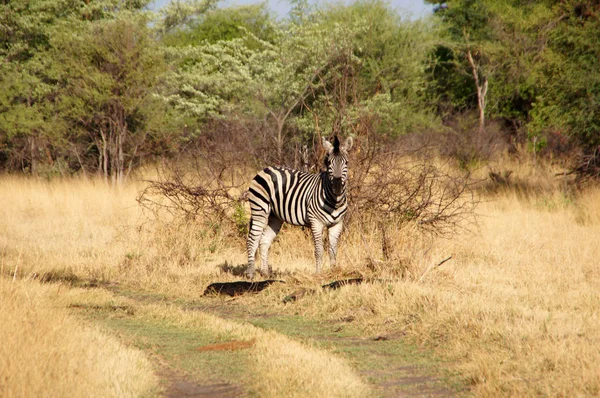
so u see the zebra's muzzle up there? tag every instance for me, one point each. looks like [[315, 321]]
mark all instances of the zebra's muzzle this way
[[337, 186]]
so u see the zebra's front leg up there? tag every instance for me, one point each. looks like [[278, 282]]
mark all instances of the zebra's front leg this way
[[265, 242], [258, 223], [317, 233], [334, 234]]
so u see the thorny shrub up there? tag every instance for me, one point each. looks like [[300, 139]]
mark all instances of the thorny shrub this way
[[391, 181]]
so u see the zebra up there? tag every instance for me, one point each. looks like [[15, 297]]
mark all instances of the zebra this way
[[281, 194]]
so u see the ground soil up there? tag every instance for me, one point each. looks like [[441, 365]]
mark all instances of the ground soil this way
[[177, 385], [391, 366]]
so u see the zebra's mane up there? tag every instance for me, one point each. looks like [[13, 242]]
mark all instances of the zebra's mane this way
[[336, 145]]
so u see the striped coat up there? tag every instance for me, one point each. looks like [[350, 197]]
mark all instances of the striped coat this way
[[279, 194]]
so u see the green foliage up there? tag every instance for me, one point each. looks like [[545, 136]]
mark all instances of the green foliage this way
[[208, 77], [99, 86], [570, 104], [450, 84], [323, 70], [179, 14], [107, 98], [466, 18], [224, 24], [540, 59], [379, 72], [241, 219], [76, 88]]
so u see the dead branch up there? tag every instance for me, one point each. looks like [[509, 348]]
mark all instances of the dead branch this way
[[421, 193], [200, 186], [429, 268]]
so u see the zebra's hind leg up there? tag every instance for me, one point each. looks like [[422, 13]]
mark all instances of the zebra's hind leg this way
[[265, 242], [258, 223]]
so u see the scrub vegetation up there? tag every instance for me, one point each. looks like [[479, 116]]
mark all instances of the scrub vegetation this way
[[513, 312], [128, 139]]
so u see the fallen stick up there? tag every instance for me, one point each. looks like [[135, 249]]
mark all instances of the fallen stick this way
[[331, 286], [435, 266]]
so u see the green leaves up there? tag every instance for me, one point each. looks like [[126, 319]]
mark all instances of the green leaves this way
[[540, 59], [92, 82]]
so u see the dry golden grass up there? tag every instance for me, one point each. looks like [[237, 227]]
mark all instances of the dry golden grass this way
[[44, 352], [516, 311], [82, 230], [71, 228]]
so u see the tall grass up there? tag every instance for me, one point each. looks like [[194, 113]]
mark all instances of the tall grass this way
[[45, 352], [515, 311], [65, 229]]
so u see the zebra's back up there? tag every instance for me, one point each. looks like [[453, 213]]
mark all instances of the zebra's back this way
[[285, 192]]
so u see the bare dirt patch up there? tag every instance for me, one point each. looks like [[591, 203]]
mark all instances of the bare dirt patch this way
[[178, 385], [229, 346]]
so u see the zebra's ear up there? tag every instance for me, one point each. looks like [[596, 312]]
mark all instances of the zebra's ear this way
[[327, 145], [348, 144]]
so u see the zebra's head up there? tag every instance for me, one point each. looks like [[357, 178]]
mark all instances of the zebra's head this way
[[336, 162]]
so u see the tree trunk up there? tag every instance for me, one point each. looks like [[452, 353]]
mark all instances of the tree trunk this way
[[33, 154], [117, 138], [481, 90], [104, 154], [279, 142], [120, 154]]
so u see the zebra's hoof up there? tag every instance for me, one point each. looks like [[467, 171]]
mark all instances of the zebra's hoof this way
[[265, 273], [249, 274]]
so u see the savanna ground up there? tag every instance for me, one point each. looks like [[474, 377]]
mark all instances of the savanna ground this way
[[99, 299]]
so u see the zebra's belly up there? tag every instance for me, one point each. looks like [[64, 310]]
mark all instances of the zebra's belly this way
[[305, 218], [297, 217]]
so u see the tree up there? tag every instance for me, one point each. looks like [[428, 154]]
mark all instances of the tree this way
[[267, 78], [26, 79], [108, 94], [31, 75], [224, 24], [467, 27], [293, 77], [380, 72], [569, 104], [539, 58]]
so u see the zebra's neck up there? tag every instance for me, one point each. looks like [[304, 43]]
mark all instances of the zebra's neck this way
[[331, 198]]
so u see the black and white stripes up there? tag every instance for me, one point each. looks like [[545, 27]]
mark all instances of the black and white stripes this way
[[279, 194]]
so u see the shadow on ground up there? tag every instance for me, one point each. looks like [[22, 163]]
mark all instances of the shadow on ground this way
[[238, 288]]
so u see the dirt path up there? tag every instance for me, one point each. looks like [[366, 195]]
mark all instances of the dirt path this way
[[392, 367], [177, 385], [187, 368]]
